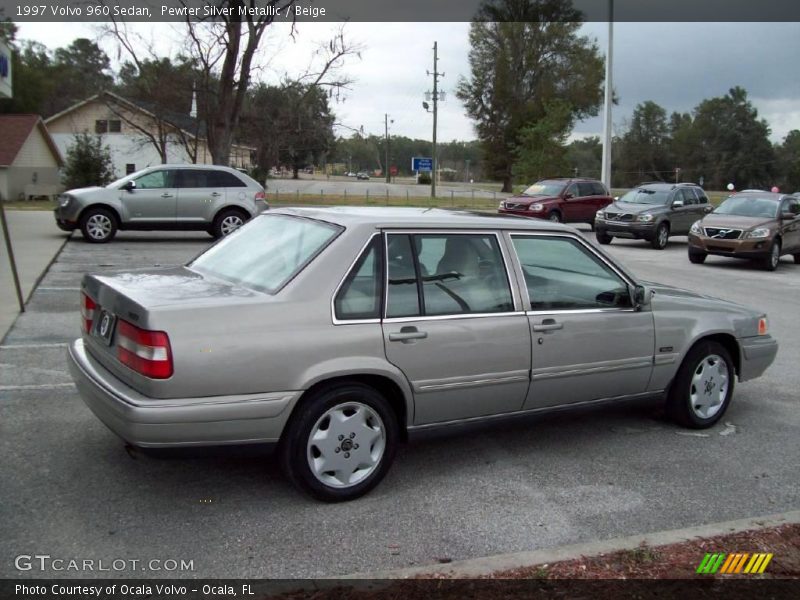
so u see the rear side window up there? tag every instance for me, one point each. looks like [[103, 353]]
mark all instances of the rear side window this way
[[361, 293], [225, 179], [688, 196], [599, 189], [452, 274], [267, 252]]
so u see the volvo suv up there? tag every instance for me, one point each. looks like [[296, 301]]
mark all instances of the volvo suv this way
[[652, 212], [167, 197], [560, 200]]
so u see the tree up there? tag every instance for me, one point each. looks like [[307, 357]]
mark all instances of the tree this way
[[78, 71], [644, 151], [585, 156], [789, 161], [33, 82], [524, 54], [88, 162], [540, 151]]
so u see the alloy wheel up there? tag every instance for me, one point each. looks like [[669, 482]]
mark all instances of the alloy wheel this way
[[230, 224], [709, 386], [99, 226], [346, 445]]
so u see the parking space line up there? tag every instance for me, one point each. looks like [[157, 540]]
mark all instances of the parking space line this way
[[58, 289], [34, 346], [38, 386]]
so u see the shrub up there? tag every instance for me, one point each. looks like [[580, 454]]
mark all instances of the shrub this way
[[88, 162]]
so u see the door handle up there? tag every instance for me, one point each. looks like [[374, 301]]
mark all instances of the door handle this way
[[166, 195], [548, 325], [407, 334], [215, 194]]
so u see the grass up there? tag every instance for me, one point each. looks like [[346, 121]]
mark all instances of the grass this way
[[30, 205]]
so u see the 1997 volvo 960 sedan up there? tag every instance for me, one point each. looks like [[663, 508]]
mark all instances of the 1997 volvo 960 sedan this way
[[336, 333]]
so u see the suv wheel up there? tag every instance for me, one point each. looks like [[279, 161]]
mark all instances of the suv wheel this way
[[340, 442], [98, 225], [554, 217], [797, 259], [227, 221], [659, 241], [603, 237], [770, 262], [703, 387], [697, 258]]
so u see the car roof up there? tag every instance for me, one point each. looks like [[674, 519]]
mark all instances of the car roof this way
[[428, 218]]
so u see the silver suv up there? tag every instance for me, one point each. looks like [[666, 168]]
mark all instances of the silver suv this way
[[337, 333], [166, 197]]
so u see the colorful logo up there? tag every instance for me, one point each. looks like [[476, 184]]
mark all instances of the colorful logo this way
[[729, 564]]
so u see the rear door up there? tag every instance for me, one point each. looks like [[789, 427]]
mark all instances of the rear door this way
[[453, 324], [198, 197], [791, 229], [153, 200], [588, 343]]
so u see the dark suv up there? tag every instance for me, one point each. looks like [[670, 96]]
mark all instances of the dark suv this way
[[562, 200], [653, 212]]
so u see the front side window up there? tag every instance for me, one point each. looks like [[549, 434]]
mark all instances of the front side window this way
[[688, 196], [791, 205], [155, 180], [360, 294], [446, 274], [267, 252], [562, 274]]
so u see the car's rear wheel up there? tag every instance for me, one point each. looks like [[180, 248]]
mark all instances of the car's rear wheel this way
[[227, 221], [340, 442], [603, 238], [659, 241], [696, 257], [770, 262], [98, 225], [703, 387]]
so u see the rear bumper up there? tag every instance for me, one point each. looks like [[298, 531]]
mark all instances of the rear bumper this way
[[757, 355], [164, 423], [623, 229]]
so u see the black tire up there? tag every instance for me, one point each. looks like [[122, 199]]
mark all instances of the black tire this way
[[296, 453], [226, 220], [591, 226], [688, 399], [771, 261], [797, 259], [554, 216], [659, 241], [603, 238], [98, 225], [697, 258]]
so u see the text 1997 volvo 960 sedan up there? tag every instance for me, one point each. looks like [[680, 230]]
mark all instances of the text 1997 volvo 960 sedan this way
[[336, 333]]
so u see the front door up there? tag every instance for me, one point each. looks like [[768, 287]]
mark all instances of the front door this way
[[452, 326], [153, 200], [588, 342]]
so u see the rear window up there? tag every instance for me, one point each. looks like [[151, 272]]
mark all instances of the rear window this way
[[267, 252]]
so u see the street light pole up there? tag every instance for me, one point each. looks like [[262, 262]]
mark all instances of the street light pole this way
[[386, 132], [605, 175], [436, 76]]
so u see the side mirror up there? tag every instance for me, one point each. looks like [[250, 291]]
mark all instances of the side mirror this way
[[568, 196], [641, 296], [677, 203], [129, 186], [787, 216]]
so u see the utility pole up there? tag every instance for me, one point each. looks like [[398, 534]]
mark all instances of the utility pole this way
[[386, 131], [605, 175], [436, 76]]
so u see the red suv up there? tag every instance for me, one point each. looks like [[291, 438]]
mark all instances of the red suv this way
[[563, 200]]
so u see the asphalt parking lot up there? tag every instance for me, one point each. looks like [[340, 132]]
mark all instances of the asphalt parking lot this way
[[69, 489]]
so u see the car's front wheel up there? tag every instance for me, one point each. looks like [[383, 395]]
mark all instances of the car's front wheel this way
[[340, 442], [703, 388], [770, 262], [696, 257], [555, 217], [659, 241], [98, 225], [603, 238]]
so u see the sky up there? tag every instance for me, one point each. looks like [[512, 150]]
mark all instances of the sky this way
[[676, 65]]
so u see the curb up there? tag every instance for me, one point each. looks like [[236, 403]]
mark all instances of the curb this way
[[474, 567]]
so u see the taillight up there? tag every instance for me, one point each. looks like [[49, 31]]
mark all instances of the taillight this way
[[146, 352], [261, 196], [763, 326], [87, 312]]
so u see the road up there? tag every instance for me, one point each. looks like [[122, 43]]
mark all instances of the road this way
[[69, 489]]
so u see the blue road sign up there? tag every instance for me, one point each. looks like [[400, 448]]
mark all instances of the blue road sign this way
[[421, 164]]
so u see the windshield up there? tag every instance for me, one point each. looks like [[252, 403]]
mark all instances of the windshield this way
[[267, 252], [545, 188], [748, 206], [645, 196]]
